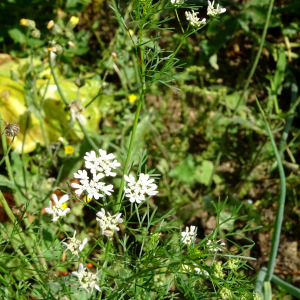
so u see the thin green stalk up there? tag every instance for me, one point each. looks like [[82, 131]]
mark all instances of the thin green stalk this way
[[7, 152], [281, 202], [8, 287], [257, 55], [288, 287], [87, 136], [107, 249], [12, 219], [13, 281], [179, 21], [136, 119], [62, 229], [56, 80], [23, 145], [135, 122]]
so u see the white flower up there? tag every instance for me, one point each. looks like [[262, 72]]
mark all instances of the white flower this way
[[102, 163], [177, 2], [211, 11], [57, 211], [108, 223], [93, 186], [212, 248], [87, 280], [188, 237], [136, 190], [75, 245], [193, 19], [201, 272]]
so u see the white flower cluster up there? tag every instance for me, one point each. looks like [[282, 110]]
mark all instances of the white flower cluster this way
[[193, 19], [108, 224], [101, 164], [93, 187], [87, 280], [188, 237], [57, 211], [75, 245], [137, 189], [211, 247], [177, 2], [214, 12]]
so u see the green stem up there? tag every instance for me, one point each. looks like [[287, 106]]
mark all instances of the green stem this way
[[62, 229], [56, 80], [12, 279], [87, 136], [257, 55], [281, 201], [288, 287], [105, 264], [179, 21], [7, 152], [8, 287]]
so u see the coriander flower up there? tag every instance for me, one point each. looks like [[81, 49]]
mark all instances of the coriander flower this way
[[212, 248], [93, 186], [201, 271], [177, 2], [75, 245], [214, 12], [87, 279], [101, 164], [57, 211], [108, 224], [137, 189], [193, 19], [188, 237]]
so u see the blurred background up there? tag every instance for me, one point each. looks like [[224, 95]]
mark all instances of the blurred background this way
[[204, 139]]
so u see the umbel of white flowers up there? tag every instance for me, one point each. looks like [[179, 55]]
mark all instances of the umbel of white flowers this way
[[177, 2], [57, 211], [213, 12], [93, 187], [108, 224], [137, 189], [188, 237], [87, 280], [193, 19], [75, 245]]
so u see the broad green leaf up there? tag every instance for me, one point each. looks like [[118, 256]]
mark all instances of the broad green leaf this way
[[17, 35], [4, 181], [185, 171], [204, 172]]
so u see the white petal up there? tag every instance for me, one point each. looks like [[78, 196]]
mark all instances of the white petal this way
[[54, 197], [63, 199]]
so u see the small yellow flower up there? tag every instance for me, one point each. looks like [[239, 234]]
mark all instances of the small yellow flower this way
[[23, 22], [50, 24], [69, 150], [87, 199], [64, 205], [132, 98], [131, 32], [74, 20]]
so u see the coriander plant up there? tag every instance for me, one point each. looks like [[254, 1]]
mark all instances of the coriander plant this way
[[133, 252]]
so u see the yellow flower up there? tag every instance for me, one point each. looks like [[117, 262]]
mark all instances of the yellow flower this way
[[131, 32], [23, 22], [64, 205], [87, 199], [69, 150], [132, 98], [74, 20]]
